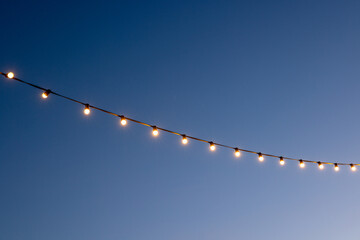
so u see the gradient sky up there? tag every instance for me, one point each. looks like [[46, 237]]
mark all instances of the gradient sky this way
[[280, 77]]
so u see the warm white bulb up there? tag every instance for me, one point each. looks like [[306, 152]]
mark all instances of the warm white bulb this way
[[87, 110], [352, 167], [321, 166], [282, 161], [184, 140], [212, 147], [301, 164], [155, 132], [123, 121], [261, 157], [336, 167], [237, 153], [10, 75], [45, 94]]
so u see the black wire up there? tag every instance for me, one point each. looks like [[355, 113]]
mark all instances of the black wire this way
[[170, 131]]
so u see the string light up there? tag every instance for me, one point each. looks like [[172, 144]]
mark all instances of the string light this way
[[184, 140], [212, 146], [301, 163], [260, 157], [352, 167], [123, 120], [282, 161], [155, 132], [87, 109], [320, 165], [237, 152], [45, 94], [10, 75]]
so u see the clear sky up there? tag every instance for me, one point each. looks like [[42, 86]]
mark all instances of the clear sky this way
[[274, 76]]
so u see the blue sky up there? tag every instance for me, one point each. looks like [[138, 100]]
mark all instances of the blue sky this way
[[274, 76]]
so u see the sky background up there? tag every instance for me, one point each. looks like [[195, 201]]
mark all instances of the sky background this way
[[280, 77]]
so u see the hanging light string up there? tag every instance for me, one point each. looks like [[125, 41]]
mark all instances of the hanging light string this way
[[212, 145]]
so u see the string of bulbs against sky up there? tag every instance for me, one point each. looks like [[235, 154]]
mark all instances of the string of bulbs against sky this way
[[185, 139]]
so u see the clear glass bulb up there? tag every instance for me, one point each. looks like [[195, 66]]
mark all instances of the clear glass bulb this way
[[184, 140], [123, 121], [155, 132], [10, 75], [352, 167], [321, 166], [301, 164], [237, 153], [212, 147], [261, 157], [87, 109], [336, 167], [46, 93], [282, 161]]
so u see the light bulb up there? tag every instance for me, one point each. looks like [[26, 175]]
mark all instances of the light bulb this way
[[261, 157], [352, 167], [237, 152], [87, 109], [123, 120], [282, 161], [301, 164], [321, 166], [212, 146], [10, 75], [45, 94], [155, 131], [184, 140], [336, 167]]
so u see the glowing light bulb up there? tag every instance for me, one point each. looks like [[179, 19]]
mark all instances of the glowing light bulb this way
[[45, 94], [184, 140], [155, 131], [321, 166], [352, 167], [336, 167], [261, 157], [237, 152], [10, 75], [123, 120], [301, 164], [87, 109], [282, 161], [212, 146]]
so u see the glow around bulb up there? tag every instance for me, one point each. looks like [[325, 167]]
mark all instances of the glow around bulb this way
[[10, 75], [336, 167], [282, 161], [260, 157]]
